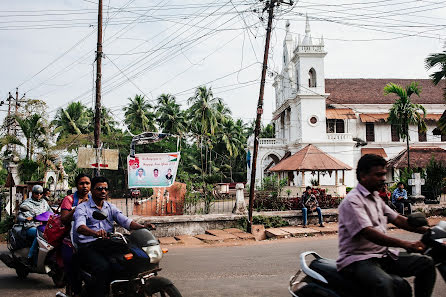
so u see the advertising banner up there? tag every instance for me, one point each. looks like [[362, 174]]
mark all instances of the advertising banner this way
[[152, 170]]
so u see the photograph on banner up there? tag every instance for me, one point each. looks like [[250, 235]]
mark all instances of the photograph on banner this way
[[152, 170]]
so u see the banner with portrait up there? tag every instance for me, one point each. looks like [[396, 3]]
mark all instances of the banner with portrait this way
[[153, 170]]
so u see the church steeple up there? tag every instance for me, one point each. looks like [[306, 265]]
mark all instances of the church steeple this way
[[307, 39]]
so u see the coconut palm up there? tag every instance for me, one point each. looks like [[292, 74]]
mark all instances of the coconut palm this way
[[204, 119], [404, 113], [232, 139], [33, 129], [76, 119], [138, 115], [204, 111], [170, 117], [438, 60], [108, 122]]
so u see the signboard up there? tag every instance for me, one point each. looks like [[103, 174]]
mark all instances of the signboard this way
[[152, 170], [97, 158]]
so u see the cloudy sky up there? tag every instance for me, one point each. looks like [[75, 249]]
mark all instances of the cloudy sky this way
[[167, 46]]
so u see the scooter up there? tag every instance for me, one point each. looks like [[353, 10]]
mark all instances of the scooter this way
[[19, 245], [135, 265], [321, 277]]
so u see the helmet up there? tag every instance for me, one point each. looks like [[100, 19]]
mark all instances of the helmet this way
[[37, 189]]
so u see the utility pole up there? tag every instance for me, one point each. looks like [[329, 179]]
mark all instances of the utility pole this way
[[269, 5], [97, 115]]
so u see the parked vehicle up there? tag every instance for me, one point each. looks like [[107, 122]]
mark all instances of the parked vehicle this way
[[135, 260], [19, 245], [321, 277]]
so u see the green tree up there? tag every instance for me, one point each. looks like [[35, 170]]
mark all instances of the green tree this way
[[76, 119], [108, 122], [33, 129], [268, 131], [138, 115], [404, 113], [438, 61], [204, 120], [171, 119]]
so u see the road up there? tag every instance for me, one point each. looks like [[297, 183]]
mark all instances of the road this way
[[259, 269]]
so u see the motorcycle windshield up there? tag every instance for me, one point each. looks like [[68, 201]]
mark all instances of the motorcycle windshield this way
[[143, 238]]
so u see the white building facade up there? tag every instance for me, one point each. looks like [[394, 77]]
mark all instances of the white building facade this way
[[336, 115]]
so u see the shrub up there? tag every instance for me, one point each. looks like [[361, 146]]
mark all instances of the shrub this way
[[6, 224], [268, 222]]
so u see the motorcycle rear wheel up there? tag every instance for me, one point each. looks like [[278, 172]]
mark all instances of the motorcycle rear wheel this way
[[164, 291]]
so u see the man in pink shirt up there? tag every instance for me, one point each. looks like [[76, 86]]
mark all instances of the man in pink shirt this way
[[365, 250]]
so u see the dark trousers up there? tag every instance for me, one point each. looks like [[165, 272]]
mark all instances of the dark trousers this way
[[401, 205], [374, 275], [95, 257]]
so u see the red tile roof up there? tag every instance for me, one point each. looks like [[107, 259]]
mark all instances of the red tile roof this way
[[310, 158], [377, 151], [370, 91], [419, 157]]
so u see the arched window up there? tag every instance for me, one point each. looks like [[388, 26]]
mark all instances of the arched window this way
[[312, 78]]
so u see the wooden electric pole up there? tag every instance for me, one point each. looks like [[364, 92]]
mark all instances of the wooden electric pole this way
[[97, 114], [270, 7]]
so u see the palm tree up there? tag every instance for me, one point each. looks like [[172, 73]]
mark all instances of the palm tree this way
[[404, 113], [138, 115], [268, 131], [76, 119], [32, 128], [231, 136], [438, 60], [171, 119], [204, 110], [204, 117], [108, 122]]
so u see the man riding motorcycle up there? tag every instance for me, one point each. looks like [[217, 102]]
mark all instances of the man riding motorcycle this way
[[90, 234], [365, 253], [30, 208]]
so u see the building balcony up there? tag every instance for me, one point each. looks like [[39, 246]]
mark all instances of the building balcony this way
[[339, 136], [271, 141]]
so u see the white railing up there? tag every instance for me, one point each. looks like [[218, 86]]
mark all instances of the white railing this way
[[271, 141], [310, 48], [339, 136]]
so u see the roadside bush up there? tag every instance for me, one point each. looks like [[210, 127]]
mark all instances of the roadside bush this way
[[6, 224], [268, 222]]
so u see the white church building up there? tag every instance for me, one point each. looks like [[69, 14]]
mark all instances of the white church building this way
[[342, 118]]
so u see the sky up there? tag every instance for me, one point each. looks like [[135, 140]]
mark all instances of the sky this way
[[166, 46]]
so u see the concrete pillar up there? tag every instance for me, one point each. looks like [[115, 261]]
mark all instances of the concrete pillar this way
[[336, 178], [303, 178], [240, 205]]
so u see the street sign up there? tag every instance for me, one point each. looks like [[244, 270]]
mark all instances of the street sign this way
[[97, 158]]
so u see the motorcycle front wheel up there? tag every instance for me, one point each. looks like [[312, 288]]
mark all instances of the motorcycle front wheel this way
[[162, 291]]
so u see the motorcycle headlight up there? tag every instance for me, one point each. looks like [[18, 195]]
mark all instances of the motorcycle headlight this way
[[154, 252]]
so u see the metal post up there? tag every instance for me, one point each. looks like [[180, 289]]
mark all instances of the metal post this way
[[97, 115]]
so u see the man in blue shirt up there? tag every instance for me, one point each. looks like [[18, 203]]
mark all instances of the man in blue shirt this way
[[399, 199], [87, 230]]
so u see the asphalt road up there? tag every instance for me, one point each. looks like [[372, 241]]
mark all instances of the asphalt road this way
[[260, 269]]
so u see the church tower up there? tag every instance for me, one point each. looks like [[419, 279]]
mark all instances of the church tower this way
[[309, 64], [300, 90]]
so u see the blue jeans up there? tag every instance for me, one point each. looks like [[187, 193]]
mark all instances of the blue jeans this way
[[32, 233], [305, 213]]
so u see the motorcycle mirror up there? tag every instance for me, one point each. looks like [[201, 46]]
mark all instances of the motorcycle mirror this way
[[99, 215], [417, 219]]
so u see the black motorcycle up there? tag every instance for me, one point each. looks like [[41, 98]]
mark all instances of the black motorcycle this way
[[321, 278], [135, 261]]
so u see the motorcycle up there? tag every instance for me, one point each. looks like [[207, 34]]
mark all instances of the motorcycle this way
[[321, 277], [135, 265], [48, 261]]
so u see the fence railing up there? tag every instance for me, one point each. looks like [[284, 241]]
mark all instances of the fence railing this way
[[154, 206]]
